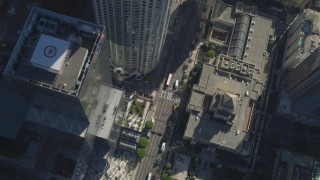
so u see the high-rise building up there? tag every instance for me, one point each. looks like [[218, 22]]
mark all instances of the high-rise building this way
[[56, 67], [302, 86], [302, 38], [300, 99], [136, 31]]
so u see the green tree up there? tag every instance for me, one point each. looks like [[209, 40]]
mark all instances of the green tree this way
[[143, 142], [149, 124], [166, 176], [210, 53], [141, 152], [168, 166]]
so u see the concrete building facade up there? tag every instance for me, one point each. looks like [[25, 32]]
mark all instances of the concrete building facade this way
[[136, 32]]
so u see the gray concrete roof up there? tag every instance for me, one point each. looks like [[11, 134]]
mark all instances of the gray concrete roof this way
[[83, 38], [257, 28], [206, 128], [243, 78], [68, 76], [258, 45], [223, 13], [101, 122]]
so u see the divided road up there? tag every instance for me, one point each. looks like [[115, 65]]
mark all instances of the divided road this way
[[166, 98]]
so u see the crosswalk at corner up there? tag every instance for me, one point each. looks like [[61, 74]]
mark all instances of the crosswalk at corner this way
[[169, 95]]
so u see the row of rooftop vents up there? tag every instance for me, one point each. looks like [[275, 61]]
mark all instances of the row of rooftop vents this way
[[244, 25]]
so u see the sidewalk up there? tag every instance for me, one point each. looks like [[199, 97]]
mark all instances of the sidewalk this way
[[193, 58]]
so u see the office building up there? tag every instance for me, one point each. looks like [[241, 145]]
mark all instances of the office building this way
[[302, 38], [300, 97], [57, 69], [222, 103], [136, 32]]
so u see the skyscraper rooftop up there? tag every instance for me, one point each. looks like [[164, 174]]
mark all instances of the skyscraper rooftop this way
[[56, 65]]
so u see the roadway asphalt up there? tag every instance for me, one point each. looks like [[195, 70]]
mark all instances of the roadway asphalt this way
[[165, 98]]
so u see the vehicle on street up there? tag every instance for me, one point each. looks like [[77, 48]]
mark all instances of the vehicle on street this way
[[168, 80], [176, 84], [163, 146], [149, 134], [174, 107], [158, 162], [149, 176]]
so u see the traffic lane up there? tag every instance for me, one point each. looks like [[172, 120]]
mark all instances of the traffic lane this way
[[152, 154], [147, 162], [159, 128], [164, 109]]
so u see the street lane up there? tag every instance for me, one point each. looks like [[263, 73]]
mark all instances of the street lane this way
[[165, 99]]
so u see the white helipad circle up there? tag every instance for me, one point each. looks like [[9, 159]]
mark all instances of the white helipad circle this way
[[50, 51]]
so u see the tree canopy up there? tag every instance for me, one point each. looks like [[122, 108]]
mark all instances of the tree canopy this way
[[168, 166], [166, 176], [211, 53], [143, 142], [149, 124], [141, 152]]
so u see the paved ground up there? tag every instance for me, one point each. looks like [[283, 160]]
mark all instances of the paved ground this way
[[119, 168]]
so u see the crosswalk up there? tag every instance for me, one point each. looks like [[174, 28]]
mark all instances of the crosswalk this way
[[169, 95]]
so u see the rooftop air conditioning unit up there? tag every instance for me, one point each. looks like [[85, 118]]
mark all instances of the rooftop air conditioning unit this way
[[250, 70], [249, 38]]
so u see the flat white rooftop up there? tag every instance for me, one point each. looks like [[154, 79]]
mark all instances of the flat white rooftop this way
[[50, 53]]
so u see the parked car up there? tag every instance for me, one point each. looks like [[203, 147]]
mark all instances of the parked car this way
[[163, 147]]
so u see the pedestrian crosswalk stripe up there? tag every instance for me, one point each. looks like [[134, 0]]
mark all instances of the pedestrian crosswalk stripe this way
[[168, 95]]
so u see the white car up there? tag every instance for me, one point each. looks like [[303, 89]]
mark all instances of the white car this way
[[163, 146]]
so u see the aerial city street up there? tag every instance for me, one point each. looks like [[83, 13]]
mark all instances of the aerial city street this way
[[160, 89]]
